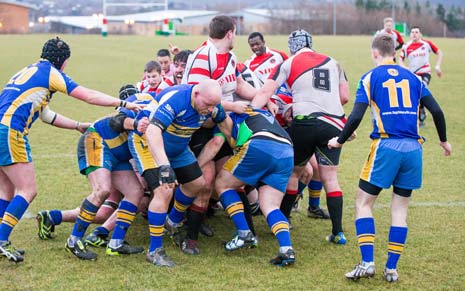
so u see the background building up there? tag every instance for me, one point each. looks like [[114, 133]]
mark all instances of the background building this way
[[14, 17]]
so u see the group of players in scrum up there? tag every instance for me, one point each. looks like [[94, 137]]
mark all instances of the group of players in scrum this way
[[157, 134], [211, 153]]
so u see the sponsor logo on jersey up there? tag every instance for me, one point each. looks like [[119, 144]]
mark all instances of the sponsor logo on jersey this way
[[393, 72], [266, 71], [228, 79]]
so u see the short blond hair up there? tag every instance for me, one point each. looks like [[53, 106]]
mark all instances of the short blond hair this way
[[387, 19]]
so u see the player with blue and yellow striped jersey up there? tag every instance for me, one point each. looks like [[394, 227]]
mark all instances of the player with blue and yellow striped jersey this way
[[23, 99], [264, 158], [103, 152], [394, 95]]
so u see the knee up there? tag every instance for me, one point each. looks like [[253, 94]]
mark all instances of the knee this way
[[197, 185], [101, 193]]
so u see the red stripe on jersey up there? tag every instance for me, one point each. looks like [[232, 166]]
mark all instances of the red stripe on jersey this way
[[241, 67], [303, 63], [338, 123], [202, 57], [200, 71], [283, 54], [413, 47], [258, 60], [434, 48], [399, 37], [222, 60]]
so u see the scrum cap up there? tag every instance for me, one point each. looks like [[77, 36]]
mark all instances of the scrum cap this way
[[298, 40], [126, 91], [56, 51]]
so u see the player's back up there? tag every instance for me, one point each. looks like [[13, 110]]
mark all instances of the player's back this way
[[313, 79], [117, 142], [176, 113], [395, 95]]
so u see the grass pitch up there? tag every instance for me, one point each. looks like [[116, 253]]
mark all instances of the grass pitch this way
[[433, 256]]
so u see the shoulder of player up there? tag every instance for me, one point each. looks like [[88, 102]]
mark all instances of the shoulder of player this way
[[428, 42], [278, 52]]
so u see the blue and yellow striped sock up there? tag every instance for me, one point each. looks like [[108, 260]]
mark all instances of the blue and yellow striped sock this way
[[13, 213], [181, 203], [314, 193], [156, 223], [85, 217], [3, 206], [280, 227], [397, 238], [56, 216], [124, 217], [233, 205], [365, 229]]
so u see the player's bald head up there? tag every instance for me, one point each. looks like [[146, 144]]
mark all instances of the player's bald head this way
[[210, 90]]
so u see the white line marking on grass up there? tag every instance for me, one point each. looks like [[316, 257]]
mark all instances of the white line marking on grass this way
[[444, 204]]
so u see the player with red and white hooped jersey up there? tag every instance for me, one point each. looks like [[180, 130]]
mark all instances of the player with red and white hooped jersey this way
[[417, 52], [208, 62], [264, 59], [215, 60]]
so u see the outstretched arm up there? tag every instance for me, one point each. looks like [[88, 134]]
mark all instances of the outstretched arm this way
[[49, 116], [351, 125], [264, 93], [98, 98]]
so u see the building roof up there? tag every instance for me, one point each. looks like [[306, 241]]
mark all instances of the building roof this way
[[20, 4], [95, 21]]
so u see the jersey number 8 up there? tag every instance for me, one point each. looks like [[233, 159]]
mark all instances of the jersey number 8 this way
[[321, 79]]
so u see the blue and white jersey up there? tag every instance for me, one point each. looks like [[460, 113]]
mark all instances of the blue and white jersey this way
[[29, 91], [139, 98], [176, 115], [394, 94]]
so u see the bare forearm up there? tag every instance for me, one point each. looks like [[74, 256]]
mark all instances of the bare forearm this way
[[439, 60], [264, 94], [210, 150], [94, 97], [65, 122]]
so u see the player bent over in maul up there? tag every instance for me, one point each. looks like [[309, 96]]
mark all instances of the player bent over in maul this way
[[264, 159], [181, 111]]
